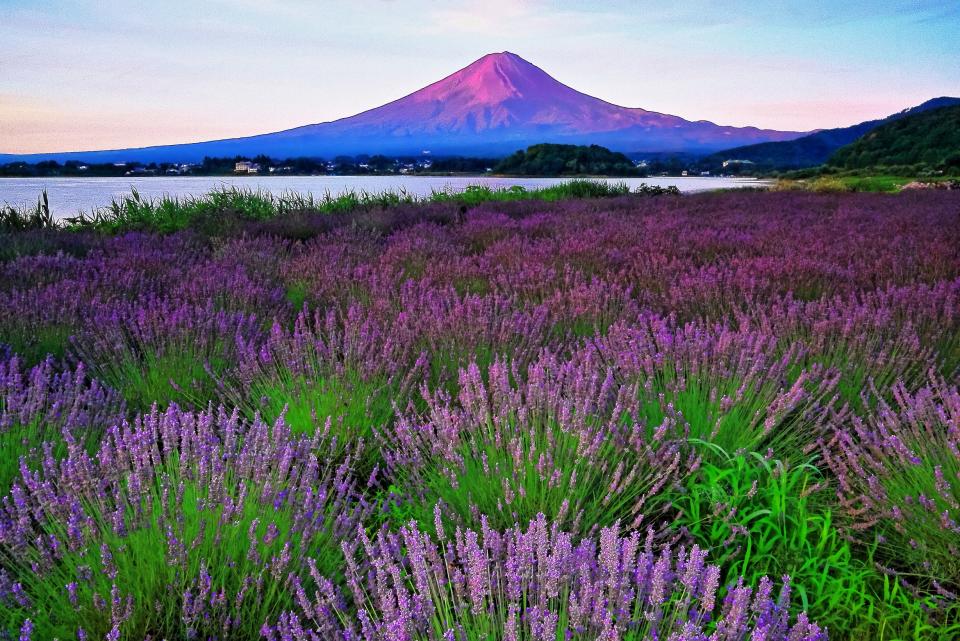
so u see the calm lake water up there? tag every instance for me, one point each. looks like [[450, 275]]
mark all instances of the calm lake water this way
[[68, 196]]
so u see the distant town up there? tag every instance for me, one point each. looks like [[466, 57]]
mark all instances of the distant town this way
[[657, 164]]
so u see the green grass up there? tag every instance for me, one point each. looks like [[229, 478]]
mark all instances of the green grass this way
[[853, 182], [34, 341], [25, 441], [169, 214], [882, 184], [26, 218], [760, 517], [349, 406], [297, 293], [175, 376]]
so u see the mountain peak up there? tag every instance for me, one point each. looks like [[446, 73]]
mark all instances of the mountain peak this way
[[502, 55], [495, 105], [491, 79]]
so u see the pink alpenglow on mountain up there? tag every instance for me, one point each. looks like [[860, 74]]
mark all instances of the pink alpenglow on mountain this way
[[494, 106], [502, 92]]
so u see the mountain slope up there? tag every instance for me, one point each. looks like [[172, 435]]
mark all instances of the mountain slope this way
[[816, 148], [930, 139], [494, 106]]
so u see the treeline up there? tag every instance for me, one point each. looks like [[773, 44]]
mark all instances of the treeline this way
[[567, 160], [538, 160], [354, 165]]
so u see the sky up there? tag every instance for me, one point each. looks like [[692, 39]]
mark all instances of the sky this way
[[78, 75]]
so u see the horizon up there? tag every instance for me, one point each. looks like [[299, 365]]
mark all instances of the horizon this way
[[82, 77]]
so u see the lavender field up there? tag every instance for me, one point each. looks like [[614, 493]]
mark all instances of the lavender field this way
[[726, 416]]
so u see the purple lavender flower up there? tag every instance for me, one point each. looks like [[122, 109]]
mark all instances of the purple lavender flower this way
[[405, 571]]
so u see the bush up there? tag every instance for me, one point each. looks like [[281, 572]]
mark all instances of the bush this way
[[183, 525], [553, 444], [897, 471], [539, 583]]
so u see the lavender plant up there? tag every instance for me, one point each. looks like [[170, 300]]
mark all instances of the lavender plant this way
[[161, 351], [898, 473], [569, 441], [44, 411], [737, 390], [183, 525], [344, 374], [539, 583]]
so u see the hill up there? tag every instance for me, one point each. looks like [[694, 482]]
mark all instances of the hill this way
[[492, 107], [923, 141], [566, 160], [816, 148]]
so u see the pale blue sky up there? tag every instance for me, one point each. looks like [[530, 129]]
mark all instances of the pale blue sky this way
[[121, 73]]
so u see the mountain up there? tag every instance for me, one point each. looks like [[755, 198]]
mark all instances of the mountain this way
[[816, 148], [930, 139], [494, 106]]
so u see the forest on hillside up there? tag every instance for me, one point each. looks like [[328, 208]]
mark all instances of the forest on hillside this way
[[929, 141]]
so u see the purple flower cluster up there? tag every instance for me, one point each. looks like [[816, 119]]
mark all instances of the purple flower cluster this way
[[571, 439], [541, 583], [898, 475], [182, 524], [43, 406]]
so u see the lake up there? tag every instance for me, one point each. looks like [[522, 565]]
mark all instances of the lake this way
[[68, 196]]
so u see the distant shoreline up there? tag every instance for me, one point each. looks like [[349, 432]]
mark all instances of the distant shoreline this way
[[388, 176]]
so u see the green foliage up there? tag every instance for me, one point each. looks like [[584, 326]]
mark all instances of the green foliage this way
[[813, 149], [215, 211], [169, 214], [23, 218], [761, 517], [878, 184], [831, 181], [566, 160], [181, 372], [349, 406], [34, 341], [928, 140], [477, 194], [162, 378], [25, 441], [297, 293]]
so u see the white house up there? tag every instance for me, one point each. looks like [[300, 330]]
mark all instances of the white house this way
[[246, 167]]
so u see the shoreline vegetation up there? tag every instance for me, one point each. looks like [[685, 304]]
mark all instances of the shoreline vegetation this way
[[230, 204], [223, 206], [856, 182]]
